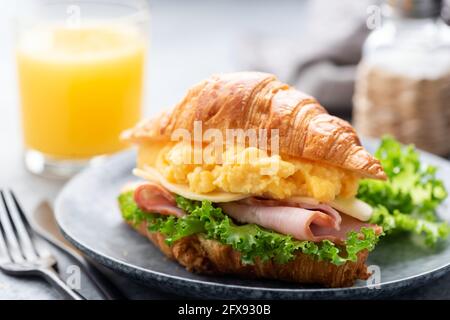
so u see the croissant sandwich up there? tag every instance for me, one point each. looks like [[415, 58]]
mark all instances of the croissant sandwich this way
[[250, 177]]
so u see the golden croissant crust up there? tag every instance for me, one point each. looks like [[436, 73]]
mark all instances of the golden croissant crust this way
[[255, 100]]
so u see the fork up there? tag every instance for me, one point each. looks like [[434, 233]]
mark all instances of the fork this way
[[21, 253]]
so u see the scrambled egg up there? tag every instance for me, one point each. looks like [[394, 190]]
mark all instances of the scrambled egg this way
[[249, 170]]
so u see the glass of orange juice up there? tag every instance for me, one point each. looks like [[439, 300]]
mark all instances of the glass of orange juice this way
[[81, 72]]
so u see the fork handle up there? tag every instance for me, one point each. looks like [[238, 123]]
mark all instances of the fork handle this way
[[53, 278]]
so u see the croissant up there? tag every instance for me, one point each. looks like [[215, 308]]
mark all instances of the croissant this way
[[255, 100]]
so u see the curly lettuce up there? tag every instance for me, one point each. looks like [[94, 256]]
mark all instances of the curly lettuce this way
[[408, 200], [252, 241]]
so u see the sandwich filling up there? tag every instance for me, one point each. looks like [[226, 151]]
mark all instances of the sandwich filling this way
[[264, 206], [256, 229]]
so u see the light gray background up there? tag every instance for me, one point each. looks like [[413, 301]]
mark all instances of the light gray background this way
[[190, 40]]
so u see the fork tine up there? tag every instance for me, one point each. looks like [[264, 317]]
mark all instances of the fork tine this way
[[39, 248], [11, 241], [24, 242], [4, 254]]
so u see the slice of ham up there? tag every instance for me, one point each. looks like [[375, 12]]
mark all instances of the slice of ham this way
[[322, 207], [300, 223], [152, 197], [301, 220], [348, 224]]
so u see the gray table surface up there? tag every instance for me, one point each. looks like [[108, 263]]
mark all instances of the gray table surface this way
[[190, 40]]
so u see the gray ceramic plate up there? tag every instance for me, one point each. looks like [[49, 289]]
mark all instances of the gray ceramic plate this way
[[87, 213]]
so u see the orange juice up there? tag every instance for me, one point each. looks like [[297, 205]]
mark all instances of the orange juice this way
[[79, 88]]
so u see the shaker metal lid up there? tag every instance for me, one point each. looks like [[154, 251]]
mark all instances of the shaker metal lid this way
[[415, 8]]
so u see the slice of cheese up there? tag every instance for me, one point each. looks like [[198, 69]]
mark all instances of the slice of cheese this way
[[152, 174], [353, 207]]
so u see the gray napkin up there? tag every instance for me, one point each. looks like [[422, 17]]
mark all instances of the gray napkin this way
[[322, 61]]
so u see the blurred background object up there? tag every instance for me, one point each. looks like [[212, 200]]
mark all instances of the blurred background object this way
[[403, 82], [321, 60], [446, 12]]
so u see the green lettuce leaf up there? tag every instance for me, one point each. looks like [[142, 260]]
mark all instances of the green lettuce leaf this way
[[408, 200], [252, 241], [396, 222], [130, 210]]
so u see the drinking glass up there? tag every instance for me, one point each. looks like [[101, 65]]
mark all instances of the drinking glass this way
[[81, 73]]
